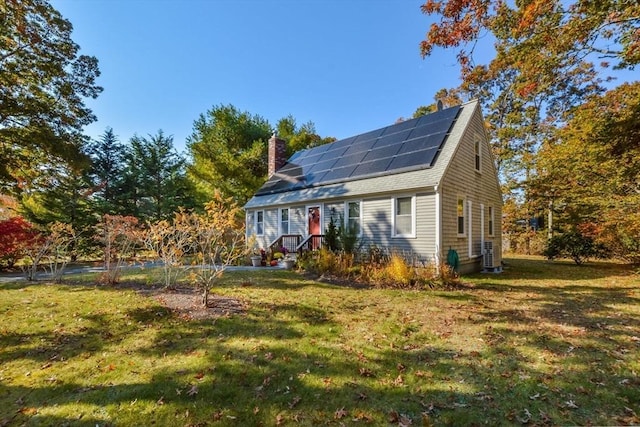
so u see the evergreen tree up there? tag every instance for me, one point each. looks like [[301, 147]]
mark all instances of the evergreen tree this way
[[107, 172]]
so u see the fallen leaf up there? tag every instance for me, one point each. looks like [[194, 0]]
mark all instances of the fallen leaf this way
[[294, 402], [193, 390], [571, 404], [404, 421], [279, 419], [340, 414], [398, 381], [365, 372], [160, 401], [535, 396]]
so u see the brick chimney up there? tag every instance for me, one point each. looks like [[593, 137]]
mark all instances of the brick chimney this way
[[277, 154]]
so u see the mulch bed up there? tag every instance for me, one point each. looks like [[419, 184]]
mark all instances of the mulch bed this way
[[187, 304]]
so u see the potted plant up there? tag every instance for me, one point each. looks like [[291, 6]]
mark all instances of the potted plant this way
[[256, 259], [288, 262]]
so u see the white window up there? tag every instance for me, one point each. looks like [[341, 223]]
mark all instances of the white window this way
[[260, 223], [353, 219], [490, 220], [250, 220], [477, 155], [460, 210], [284, 221], [404, 214]]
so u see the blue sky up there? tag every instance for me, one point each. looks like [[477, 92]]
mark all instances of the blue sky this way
[[349, 66]]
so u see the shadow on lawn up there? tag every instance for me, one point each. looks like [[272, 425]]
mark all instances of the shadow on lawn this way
[[547, 354]]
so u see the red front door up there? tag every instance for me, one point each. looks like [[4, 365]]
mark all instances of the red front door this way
[[314, 226]]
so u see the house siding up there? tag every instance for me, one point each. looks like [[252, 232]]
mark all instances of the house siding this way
[[378, 223], [481, 189], [435, 189]]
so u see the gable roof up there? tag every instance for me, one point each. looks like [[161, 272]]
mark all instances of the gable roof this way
[[402, 147]]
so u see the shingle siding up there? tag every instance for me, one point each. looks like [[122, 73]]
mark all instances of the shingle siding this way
[[481, 188]]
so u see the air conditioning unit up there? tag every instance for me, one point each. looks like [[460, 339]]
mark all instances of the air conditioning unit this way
[[488, 254]]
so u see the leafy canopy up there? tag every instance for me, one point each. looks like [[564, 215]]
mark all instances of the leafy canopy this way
[[43, 81]]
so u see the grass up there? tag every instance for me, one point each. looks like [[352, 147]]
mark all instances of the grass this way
[[541, 344]]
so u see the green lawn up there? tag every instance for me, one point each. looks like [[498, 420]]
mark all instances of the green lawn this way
[[542, 344]]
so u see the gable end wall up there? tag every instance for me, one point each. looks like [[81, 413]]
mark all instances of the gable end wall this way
[[461, 179]]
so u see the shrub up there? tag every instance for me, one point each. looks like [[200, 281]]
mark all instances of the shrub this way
[[574, 245], [324, 261], [15, 233], [331, 236]]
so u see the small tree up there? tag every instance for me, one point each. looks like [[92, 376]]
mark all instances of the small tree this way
[[218, 241], [348, 238], [15, 233], [331, 235], [574, 245], [119, 236], [52, 248], [170, 242]]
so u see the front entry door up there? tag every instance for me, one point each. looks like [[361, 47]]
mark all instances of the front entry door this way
[[314, 226]]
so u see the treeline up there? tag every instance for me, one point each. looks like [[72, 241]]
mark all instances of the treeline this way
[[146, 178]]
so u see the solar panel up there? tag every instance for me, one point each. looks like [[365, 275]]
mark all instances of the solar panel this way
[[392, 138], [382, 152], [421, 144], [410, 144], [358, 147], [421, 158], [369, 135], [439, 126], [371, 168], [334, 152], [398, 127], [449, 114], [339, 173], [322, 166], [353, 159]]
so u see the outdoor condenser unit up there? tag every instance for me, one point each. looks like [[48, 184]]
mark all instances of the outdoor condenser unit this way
[[488, 254]]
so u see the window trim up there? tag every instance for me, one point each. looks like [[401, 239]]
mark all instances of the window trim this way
[[491, 224], [477, 155], [280, 230], [257, 230], [460, 199], [394, 201], [346, 216]]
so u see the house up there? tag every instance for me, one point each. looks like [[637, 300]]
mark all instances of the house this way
[[424, 186]]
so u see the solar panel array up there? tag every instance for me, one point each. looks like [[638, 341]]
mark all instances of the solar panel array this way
[[409, 145]]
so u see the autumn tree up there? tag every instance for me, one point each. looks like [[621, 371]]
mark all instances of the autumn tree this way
[[171, 241], [49, 248], [43, 81], [119, 236], [598, 191], [218, 241], [15, 232], [543, 67]]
